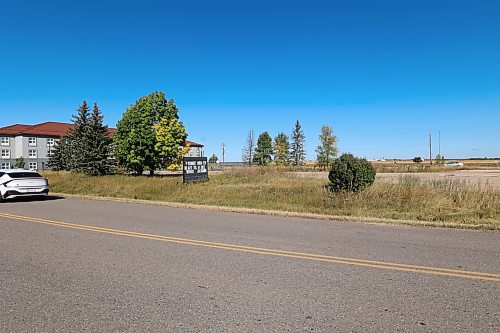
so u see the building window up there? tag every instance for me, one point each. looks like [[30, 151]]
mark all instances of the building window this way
[[32, 142], [5, 165], [32, 153], [33, 166], [5, 141], [50, 152], [5, 153], [50, 142]]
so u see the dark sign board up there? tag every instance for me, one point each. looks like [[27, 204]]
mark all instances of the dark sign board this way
[[194, 169]]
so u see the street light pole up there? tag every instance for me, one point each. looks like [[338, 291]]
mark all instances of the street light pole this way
[[223, 152]]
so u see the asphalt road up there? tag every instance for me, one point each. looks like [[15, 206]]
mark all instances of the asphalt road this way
[[92, 266]]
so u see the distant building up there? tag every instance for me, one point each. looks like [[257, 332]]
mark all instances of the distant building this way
[[195, 149], [35, 143]]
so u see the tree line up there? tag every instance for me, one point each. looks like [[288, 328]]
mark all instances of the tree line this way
[[285, 150], [149, 136]]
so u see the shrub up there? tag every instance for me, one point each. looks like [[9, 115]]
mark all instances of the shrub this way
[[418, 159], [351, 174], [20, 163]]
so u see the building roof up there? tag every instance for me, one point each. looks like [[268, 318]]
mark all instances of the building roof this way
[[49, 128], [193, 144], [54, 129], [13, 129]]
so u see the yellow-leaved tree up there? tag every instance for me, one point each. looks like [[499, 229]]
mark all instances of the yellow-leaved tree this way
[[170, 144]]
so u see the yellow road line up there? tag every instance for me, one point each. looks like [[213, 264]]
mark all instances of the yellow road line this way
[[267, 251]]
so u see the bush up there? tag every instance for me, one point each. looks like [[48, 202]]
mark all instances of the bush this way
[[351, 174], [418, 159], [20, 163]]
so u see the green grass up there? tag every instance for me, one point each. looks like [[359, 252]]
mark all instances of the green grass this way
[[439, 203]]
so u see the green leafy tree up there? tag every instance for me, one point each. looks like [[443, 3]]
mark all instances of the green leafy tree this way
[[264, 149], [327, 151], [281, 149], [418, 159], [136, 140], [297, 149], [351, 174], [213, 159]]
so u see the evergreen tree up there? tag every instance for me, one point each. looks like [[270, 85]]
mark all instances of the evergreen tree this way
[[96, 159], [60, 155], [248, 150], [328, 148], [297, 150], [136, 139], [264, 149], [77, 139], [281, 149], [86, 147]]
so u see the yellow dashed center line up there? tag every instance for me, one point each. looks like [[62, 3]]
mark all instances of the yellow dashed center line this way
[[266, 251]]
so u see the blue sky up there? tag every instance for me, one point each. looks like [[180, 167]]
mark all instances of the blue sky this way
[[382, 73]]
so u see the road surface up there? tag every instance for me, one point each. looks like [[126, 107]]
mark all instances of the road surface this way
[[70, 265]]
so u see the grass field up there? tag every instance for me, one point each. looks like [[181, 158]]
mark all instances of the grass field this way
[[410, 166], [409, 201]]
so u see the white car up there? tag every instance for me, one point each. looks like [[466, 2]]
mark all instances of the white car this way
[[15, 183], [454, 164]]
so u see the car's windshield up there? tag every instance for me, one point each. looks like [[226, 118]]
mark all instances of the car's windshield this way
[[25, 175]]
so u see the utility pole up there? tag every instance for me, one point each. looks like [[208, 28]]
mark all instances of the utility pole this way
[[223, 152], [430, 146]]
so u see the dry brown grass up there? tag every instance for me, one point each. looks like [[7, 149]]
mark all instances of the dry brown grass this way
[[411, 167], [439, 203]]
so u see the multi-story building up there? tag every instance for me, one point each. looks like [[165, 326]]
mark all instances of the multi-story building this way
[[35, 143]]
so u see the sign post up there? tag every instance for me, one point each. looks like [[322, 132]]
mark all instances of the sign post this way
[[194, 169]]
